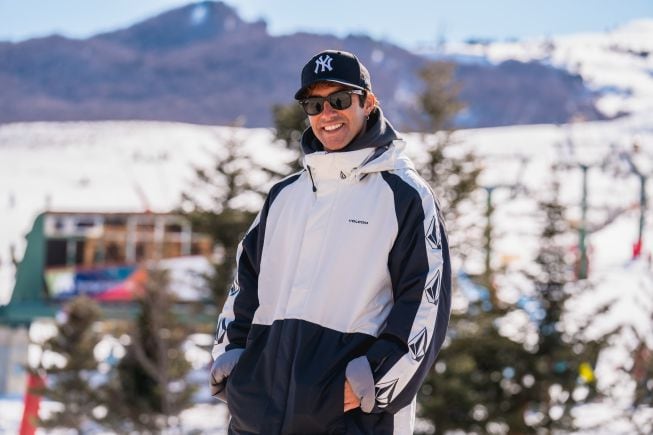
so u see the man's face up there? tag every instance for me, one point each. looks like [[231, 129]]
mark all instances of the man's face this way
[[335, 129]]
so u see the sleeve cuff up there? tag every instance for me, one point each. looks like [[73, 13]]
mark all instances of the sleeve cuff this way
[[359, 375], [220, 371]]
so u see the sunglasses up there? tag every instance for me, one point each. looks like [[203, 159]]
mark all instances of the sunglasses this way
[[339, 100]]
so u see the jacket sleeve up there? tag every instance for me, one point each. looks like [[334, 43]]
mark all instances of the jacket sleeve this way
[[420, 272], [236, 317], [242, 302]]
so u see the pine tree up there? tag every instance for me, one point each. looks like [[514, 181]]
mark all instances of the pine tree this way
[[563, 363], [439, 101], [467, 371], [149, 388], [476, 381], [454, 179], [485, 380], [214, 205], [290, 121], [74, 380]]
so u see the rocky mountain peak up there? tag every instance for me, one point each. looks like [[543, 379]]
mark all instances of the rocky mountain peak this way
[[181, 27]]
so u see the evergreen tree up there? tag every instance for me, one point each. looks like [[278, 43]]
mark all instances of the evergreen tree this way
[[439, 100], [215, 205], [454, 179], [467, 371], [477, 381], [290, 121], [484, 380], [563, 363], [149, 388], [74, 380]]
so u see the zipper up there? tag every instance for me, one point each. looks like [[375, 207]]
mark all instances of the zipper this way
[[310, 174]]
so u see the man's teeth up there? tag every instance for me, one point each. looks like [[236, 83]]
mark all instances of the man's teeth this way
[[332, 127]]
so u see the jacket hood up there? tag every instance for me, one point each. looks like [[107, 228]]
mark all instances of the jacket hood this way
[[354, 166], [378, 132]]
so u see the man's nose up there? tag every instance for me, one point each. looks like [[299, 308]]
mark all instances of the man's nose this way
[[327, 108]]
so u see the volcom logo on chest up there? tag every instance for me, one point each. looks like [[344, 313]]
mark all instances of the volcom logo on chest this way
[[324, 62], [358, 221]]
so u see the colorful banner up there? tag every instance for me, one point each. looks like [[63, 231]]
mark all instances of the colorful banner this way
[[110, 283]]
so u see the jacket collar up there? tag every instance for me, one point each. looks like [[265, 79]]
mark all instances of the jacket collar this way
[[354, 165]]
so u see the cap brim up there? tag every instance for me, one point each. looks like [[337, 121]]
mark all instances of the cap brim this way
[[301, 93]]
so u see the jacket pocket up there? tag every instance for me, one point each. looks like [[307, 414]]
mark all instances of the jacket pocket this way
[[358, 422], [316, 405], [247, 400]]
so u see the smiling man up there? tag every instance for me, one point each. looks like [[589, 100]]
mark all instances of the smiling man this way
[[342, 292]]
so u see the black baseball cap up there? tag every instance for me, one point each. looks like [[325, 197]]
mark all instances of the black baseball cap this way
[[334, 66]]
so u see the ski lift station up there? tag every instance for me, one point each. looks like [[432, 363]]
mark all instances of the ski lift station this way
[[104, 256]]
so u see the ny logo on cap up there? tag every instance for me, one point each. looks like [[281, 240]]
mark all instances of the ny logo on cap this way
[[324, 62]]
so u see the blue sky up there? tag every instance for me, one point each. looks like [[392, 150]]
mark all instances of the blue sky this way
[[410, 23]]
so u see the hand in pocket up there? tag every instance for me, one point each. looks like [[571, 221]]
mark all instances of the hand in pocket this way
[[351, 401]]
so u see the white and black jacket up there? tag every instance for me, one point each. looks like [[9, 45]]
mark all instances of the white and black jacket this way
[[344, 273]]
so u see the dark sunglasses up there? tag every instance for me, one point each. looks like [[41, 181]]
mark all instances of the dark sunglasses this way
[[339, 100]]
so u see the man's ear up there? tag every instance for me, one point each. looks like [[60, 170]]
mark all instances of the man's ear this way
[[370, 102]]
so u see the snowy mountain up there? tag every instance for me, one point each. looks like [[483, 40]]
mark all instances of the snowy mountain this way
[[202, 63], [617, 65]]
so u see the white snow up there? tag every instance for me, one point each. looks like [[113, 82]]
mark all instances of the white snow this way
[[202, 418], [199, 14]]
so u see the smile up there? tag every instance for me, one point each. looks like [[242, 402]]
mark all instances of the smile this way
[[332, 127]]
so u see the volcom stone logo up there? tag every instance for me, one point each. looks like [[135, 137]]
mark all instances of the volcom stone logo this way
[[222, 330], [384, 392], [433, 289], [324, 62], [433, 235], [417, 345]]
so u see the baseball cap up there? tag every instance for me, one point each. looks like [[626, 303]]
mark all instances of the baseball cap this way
[[334, 66]]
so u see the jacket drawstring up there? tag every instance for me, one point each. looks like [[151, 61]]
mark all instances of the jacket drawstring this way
[[310, 174]]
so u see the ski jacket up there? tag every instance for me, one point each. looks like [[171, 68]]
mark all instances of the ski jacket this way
[[344, 274]]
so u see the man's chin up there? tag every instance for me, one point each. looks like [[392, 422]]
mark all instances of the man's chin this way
[[334, 145], [333, 148]]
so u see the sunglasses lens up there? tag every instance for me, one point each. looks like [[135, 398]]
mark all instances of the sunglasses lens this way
[[340, 100], [313, 106]]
